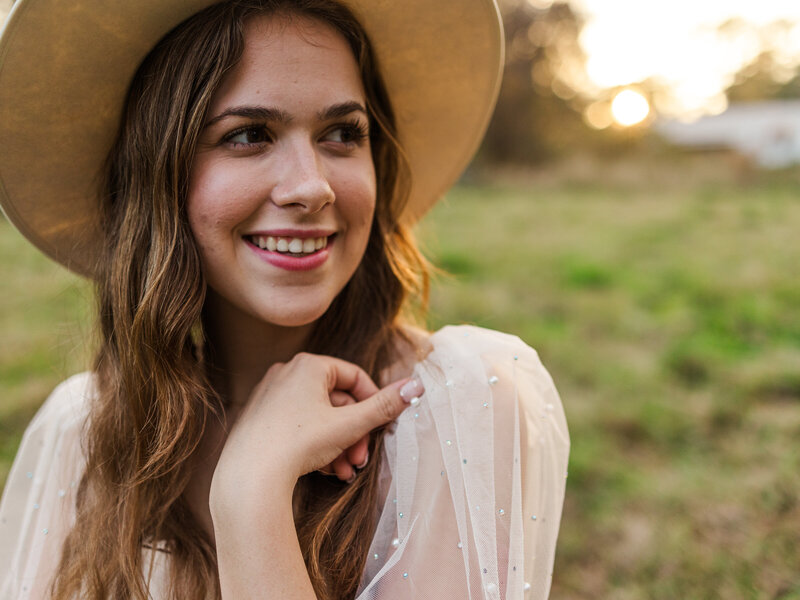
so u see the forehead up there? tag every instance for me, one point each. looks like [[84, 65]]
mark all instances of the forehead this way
[[291, 61]]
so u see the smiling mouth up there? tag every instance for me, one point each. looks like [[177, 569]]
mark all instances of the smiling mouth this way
[[290, 246]]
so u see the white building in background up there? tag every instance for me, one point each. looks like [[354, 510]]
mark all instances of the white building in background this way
[[767, 132]]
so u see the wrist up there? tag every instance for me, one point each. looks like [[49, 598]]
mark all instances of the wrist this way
[[237, 502], [257, 548]]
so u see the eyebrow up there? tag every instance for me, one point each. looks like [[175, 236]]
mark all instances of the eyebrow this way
[[261, 113], [264, 113], [337, 111]]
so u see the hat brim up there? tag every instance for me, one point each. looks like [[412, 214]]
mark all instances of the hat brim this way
[[65, 68]]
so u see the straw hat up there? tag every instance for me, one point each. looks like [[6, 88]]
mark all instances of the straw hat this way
[[65, 66]]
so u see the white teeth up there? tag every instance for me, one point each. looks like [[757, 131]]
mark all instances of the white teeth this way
[[292, 245]]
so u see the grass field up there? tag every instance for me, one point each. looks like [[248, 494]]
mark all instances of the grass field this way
[[669, 316]]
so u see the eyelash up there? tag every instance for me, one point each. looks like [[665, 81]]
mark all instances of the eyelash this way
[[228, 139], [357, 131]]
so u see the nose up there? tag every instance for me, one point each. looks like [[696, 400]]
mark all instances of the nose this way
[[302, 181]]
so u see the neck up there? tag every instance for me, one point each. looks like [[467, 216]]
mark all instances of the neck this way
[[240, 347]]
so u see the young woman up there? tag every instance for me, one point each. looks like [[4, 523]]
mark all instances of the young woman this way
[[261, 421]]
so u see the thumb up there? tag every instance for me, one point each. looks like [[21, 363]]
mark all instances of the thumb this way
[[387, 404]]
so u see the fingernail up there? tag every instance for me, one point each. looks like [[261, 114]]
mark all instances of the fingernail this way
[[364, 462], [412, 389], [352, 478]]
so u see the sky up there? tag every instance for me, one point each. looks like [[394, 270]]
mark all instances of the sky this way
[[677, 44]]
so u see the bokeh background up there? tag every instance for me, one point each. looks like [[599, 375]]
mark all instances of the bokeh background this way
[[634, 215]]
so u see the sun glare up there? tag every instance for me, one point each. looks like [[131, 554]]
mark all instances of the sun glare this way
[[629, 108], [690, 51]]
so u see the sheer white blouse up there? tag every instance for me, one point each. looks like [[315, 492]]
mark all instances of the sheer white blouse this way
[[474, 477]]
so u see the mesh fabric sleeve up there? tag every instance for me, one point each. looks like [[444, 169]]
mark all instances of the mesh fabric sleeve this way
[[38, 503], [475, 477]]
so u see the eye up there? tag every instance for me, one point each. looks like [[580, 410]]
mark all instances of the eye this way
[[347, 133], [248, 136]]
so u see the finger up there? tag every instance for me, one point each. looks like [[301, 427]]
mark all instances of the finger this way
[[339, 398], [346, 376], [387, 404], [342, 467], [327, 470], [358, 453]]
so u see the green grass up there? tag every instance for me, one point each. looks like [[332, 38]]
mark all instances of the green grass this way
[[44, 326], [669, 316], [670, 320]]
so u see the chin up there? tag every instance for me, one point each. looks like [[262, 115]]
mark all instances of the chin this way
[[296, 317]]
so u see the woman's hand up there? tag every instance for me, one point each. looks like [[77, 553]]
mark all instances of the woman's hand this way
[[356, 456], [302, 416]]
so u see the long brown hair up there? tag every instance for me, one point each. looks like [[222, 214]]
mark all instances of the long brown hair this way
[[153, 398]]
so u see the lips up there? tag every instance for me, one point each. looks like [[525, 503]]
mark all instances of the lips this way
[[293, 246], [292, 251]]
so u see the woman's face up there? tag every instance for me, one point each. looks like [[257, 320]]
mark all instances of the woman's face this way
[[282, 189]]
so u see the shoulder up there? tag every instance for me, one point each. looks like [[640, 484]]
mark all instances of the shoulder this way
[[68, 404], [60, 419], [468, 340], [55, 432], [486, 357], [481, 370], [457, 346]]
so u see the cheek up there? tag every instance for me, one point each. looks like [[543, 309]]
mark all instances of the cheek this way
[[204, 220], [360, 222], [217, 201], [359, 199]]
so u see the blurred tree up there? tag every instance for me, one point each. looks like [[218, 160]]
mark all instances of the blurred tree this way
[[538, 111], [764, 78], [774, 73]]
